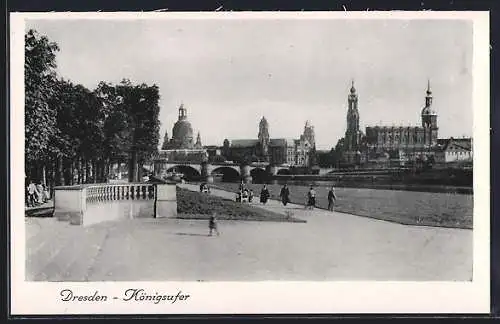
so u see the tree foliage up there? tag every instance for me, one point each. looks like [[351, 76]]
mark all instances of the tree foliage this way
[[66, 123], [39, 80]]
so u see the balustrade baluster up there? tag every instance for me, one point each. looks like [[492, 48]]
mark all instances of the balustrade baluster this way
[[143, 192], [138, 193], [122, 196], [127, 192], [114, 193], [132, 192]]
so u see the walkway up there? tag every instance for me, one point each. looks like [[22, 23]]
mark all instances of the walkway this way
[[330, 246], [44, 209]]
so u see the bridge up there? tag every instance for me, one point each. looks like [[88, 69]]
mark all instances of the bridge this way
[[230, 171], [195, 164]]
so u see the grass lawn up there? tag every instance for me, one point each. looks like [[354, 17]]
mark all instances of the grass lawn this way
[[406, 207], [196, 205]]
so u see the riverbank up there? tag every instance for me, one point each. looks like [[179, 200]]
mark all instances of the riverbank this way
[[196, 205], [368, 183], [404, 207]]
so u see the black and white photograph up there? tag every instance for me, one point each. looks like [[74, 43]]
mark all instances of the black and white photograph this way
[[249, 149]]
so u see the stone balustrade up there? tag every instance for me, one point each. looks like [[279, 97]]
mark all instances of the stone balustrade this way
[[99, 193], [89, 204]]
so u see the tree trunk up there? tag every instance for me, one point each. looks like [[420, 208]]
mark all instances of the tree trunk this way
[[72, 167], [97, 171], [60, 171], [140, 172], [106, 170], [84, 170], [78, 170], [87, 171], [102, 170], [44, 175], [133, 170], [52, 177], [94, 171], [65, 172]]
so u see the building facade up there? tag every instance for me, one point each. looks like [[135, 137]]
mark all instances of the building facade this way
[[278, 151], [398, 145], [454, 150]]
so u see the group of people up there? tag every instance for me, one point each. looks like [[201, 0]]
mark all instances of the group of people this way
[[265, 195], [36, 194], [311, 196], [245, 192]]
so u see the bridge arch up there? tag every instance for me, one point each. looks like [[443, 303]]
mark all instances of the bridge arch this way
[[284, 171], [229, 174], [189, 172], [259, 175]]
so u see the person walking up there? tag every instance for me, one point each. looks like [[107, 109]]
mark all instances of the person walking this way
[[41, 193], [46, 192], [242, 186], [285, 195], [311, 195], [212, 225], [31, 194], [332, 198], [264, 195]]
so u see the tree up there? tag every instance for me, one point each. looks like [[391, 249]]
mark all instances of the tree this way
[[146, 131], [79, 139], [39, 79], [116, 122]]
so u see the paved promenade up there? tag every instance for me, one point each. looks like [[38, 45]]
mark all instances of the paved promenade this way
[[330, 246]]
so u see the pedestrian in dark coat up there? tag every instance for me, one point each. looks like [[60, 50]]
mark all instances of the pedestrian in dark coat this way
[[264, 195], [311, 195], [285, 195], [331, 198], [212, 225]]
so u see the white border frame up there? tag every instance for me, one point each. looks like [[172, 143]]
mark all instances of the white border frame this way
[[37, 298]]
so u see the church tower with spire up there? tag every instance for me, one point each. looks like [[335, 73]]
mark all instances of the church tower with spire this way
[[309, 133], [198, 144], [429, 118], [352, 134], [263, 137]]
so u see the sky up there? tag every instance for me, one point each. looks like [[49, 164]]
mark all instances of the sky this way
[[230, 73]]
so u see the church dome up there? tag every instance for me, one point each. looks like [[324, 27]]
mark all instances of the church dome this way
[[428, 111], [182, 131]]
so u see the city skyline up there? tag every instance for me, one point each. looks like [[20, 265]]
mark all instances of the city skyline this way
[[230, 73]]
